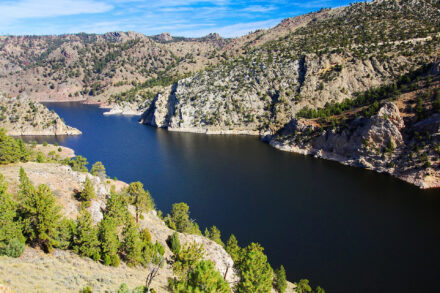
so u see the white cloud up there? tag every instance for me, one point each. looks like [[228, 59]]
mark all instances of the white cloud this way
[[11, 11]]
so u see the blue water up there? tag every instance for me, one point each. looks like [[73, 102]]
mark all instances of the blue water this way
[[346, 229]]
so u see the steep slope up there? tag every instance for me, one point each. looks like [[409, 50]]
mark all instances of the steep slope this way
[[328, 59], [395, 132], [21, 116]]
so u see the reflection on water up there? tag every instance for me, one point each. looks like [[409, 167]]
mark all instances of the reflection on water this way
[[347, 229]]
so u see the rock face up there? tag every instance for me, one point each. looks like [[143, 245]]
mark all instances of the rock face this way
[[262, 90], [375, 143], [21, 116]]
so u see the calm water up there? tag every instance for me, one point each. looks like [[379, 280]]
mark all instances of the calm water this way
[[346, 229]]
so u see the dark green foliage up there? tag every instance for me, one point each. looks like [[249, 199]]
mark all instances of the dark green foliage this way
[[203, 278], [14, 248], [66, 231], [131, 246], [12, 150], [186, 260], [86, 241], [108, 237], [98, 169], [303, 286], [254, 271], [214, 234], [79, 163], [39, 212], [140, 198], [233, 249], [180, 221], [174, 243], [88, 192], [10, 230], [117, 207], [280, 280]]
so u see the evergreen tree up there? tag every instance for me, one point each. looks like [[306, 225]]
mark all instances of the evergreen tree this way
[[86, 241], [204, 278], [187, 259], [25, 188], [233, 249], [303, 286], [116, 207], [79, 163], [11, 150], [40, 217], [10, 230], [98, 169], [280, 281], [88, 192], [108, 236], [174, 243], [131, 243], [65, 234], [140, 198], [214, 234], [254, 271], [179, 219]]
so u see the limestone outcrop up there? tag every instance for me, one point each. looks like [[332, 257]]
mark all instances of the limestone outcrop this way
[[21, 116]]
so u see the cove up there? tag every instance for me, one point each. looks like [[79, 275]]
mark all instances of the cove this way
[[343, 228]]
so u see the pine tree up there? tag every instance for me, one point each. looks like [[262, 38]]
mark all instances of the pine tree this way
[[303, 286], [11, 151], [187, 259], [174, 243], [204, 278], [86, 241], [108, 236], [25, 188], [131, 243], [233, 249], [214, 234], [98, 169], [179, 219], [40, 216], [280, 281], [116, 207], [10, 230], [88, 192], [254, 271], [65, 234], [140, 198]]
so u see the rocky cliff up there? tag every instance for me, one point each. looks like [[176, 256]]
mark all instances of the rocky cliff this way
[[21, 116], [326, 60], [401, 139]]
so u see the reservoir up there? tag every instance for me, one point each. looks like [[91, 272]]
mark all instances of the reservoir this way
[[343, 228]]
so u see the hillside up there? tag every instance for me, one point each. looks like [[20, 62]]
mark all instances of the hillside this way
[[331, 58], [393, 129], [83, 229], [22, 116]]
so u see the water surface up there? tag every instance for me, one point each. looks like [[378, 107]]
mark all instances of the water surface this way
[[346, 229]]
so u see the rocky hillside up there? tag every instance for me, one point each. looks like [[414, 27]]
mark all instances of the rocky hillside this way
[[395, 132], [327, 59], [22, 116]]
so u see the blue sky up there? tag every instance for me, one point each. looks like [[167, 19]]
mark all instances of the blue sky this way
[[191, 18]]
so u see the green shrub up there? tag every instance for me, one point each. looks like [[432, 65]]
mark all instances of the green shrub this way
[[14, 248], [123, 288]]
